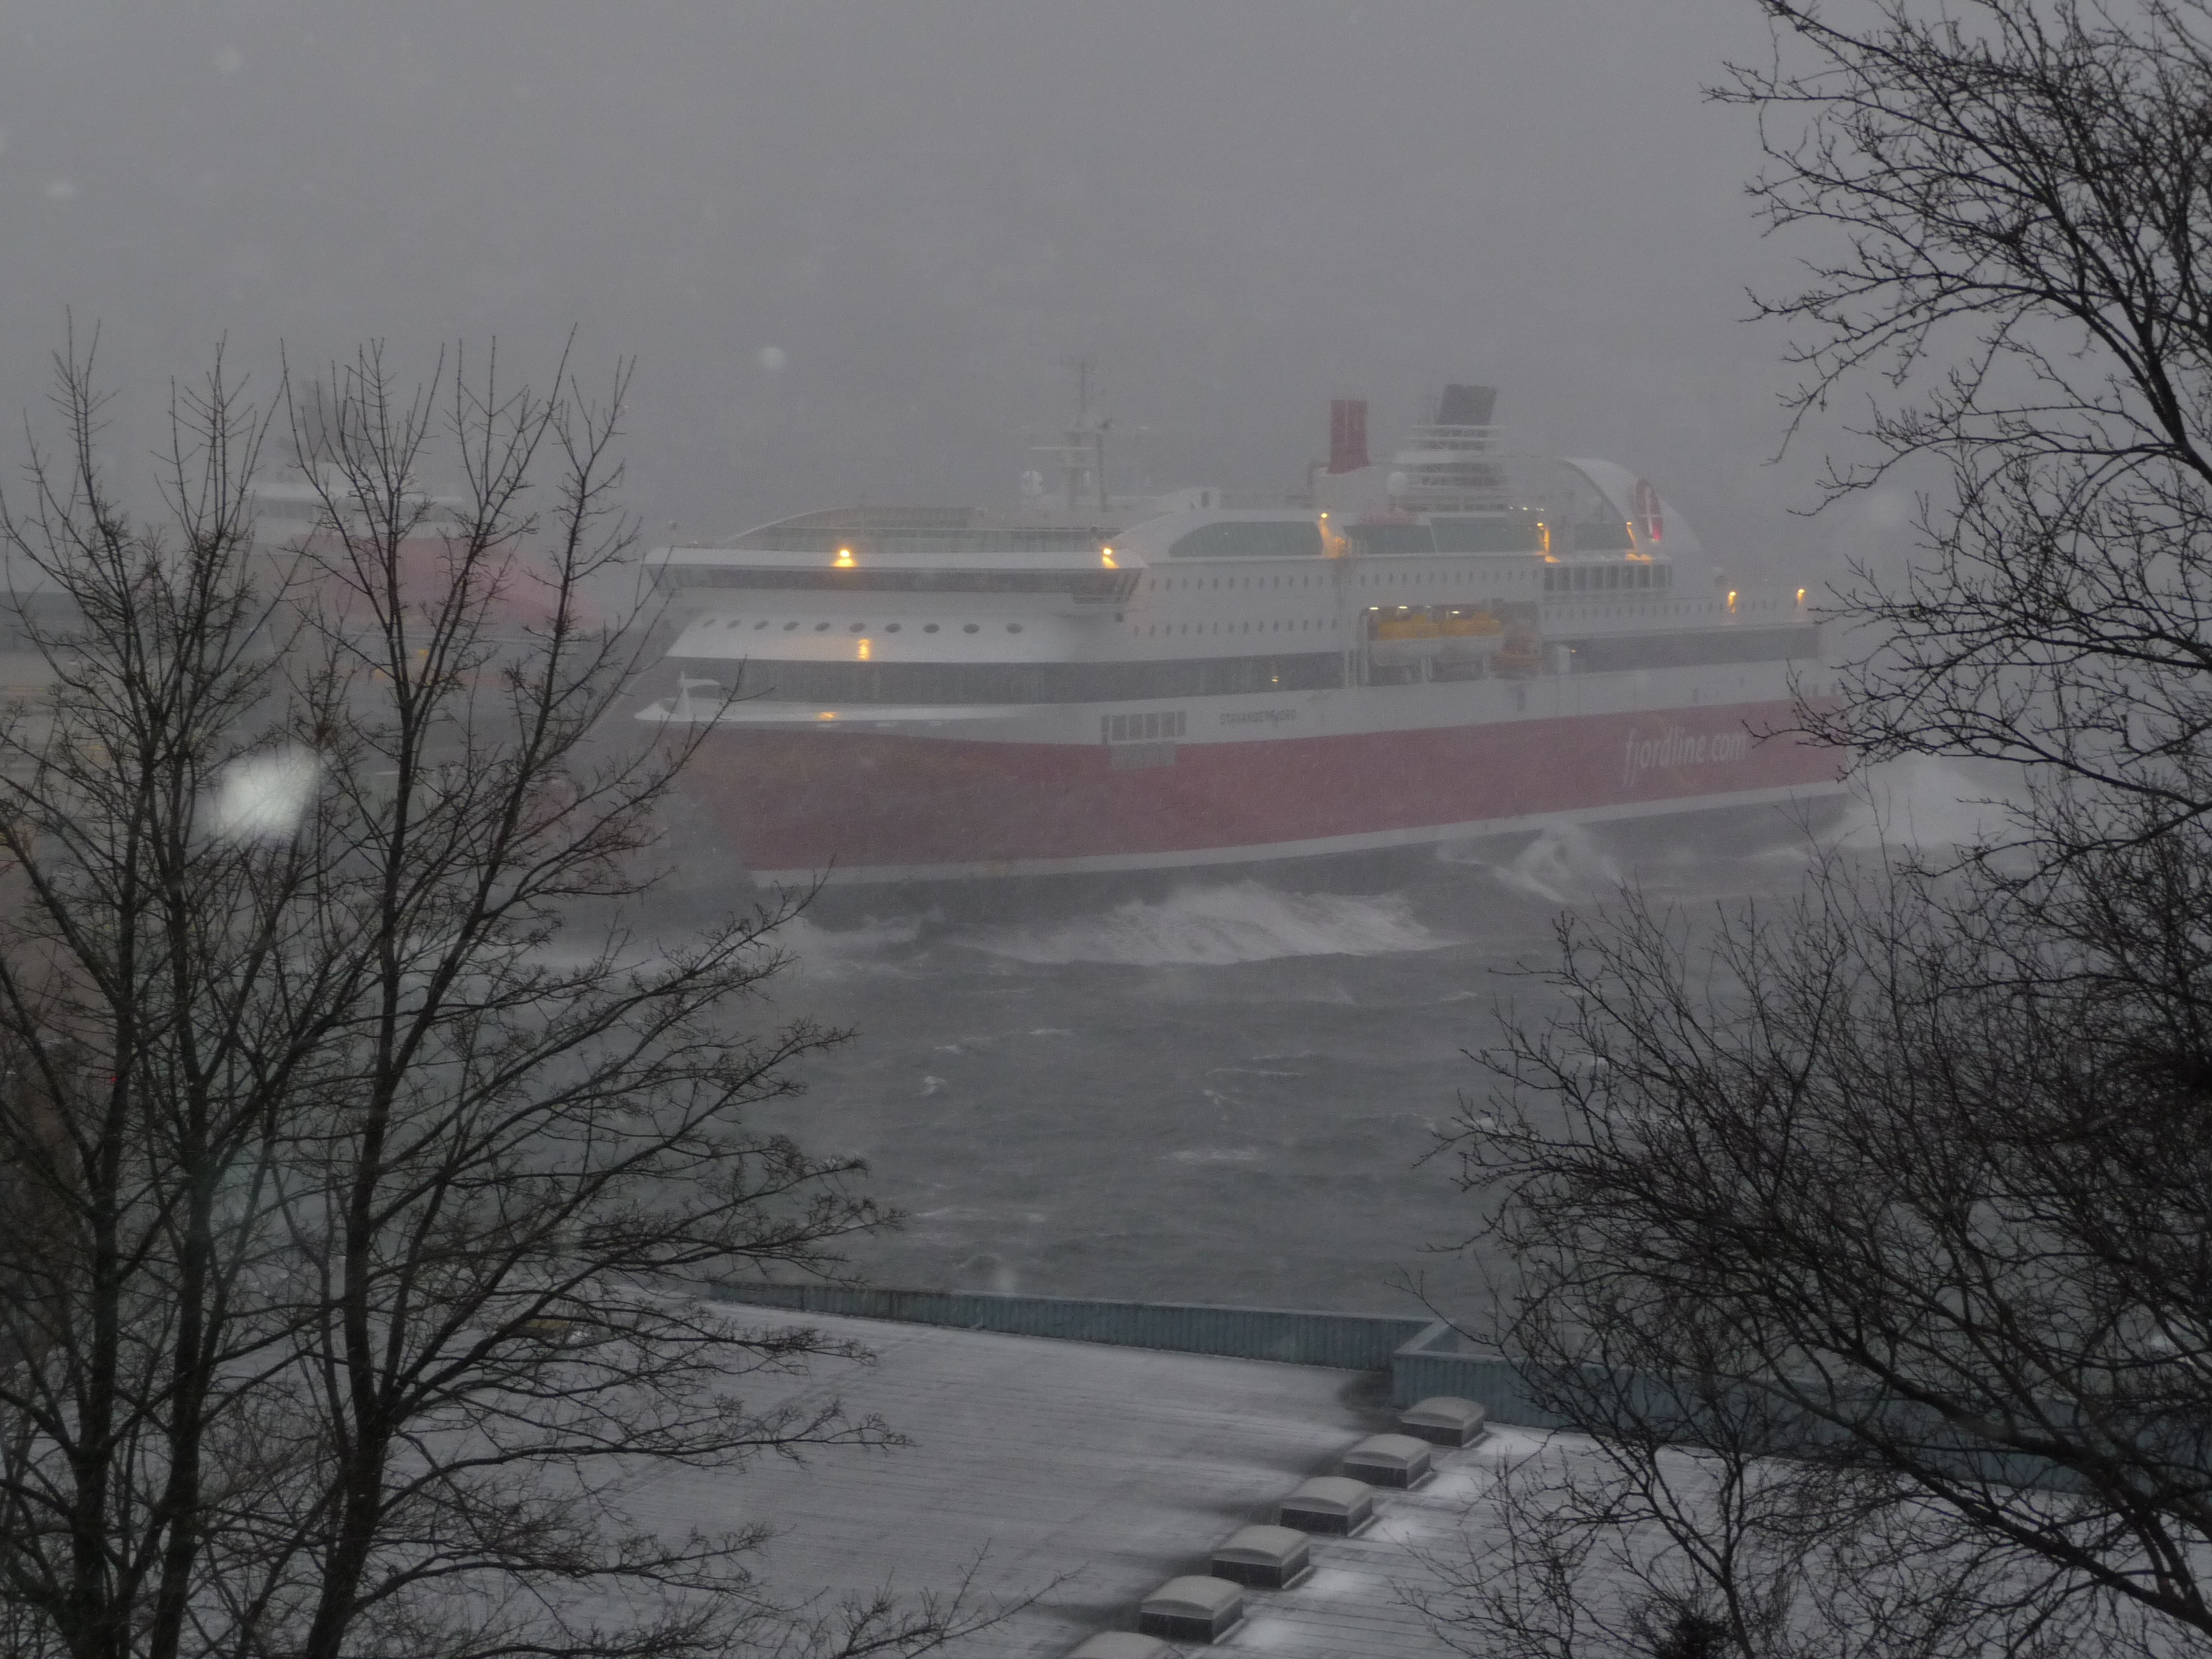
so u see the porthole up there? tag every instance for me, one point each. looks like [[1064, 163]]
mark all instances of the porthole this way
[[822, 627], [1014, 628], [857, 628], [892, 628], [787, 627], [970, 627], [929, 628], [735, 622], [759, 625]]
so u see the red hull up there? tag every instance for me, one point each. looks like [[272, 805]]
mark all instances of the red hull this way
[[881, 807]]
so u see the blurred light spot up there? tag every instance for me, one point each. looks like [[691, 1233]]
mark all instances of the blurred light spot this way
[[773, 358], [264, 797]]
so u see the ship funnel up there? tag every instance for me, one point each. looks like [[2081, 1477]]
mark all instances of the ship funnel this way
[[1467, 405], [1348, 433]]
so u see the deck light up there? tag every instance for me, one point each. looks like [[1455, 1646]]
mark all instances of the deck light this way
[[844, 558], [1731, 598], [1106, 558], [864, 650], [1801, 596]]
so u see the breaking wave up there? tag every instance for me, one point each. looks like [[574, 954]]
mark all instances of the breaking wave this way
[[1927, 803], [820, 951], [1564, 864], [1216, 926]]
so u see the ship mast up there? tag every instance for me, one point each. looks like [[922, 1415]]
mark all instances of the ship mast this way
[[1081, 452]]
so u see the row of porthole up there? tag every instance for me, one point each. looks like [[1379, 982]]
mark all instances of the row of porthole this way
[[862, 628], [1186, 627], [1171, 583]]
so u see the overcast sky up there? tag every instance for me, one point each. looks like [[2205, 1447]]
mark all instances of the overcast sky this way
[[925, 211]]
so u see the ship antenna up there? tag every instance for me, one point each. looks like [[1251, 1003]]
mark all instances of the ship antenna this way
[[1085, 448]]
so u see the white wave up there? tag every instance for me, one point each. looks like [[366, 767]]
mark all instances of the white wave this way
[[816, 949], [1215, 926], [1923, 802], [1563, 865]]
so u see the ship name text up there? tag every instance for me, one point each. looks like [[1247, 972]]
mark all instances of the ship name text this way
[[1678, 747]]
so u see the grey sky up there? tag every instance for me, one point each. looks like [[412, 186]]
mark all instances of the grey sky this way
[[1237, 208]]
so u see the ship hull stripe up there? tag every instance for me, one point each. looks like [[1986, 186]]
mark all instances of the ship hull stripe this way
[[893, 807]]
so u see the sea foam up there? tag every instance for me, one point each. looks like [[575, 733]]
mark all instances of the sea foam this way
[[1217, 925]]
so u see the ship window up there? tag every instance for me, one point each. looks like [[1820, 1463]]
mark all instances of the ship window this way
[[760, 624], [1014, 628], [830, 682], [787, 627], [1280, 538], [969, 627], [1142, 728], [929, 628], [1694, 648], [735, 622], [857, 628], [891, 628], [822, 627]]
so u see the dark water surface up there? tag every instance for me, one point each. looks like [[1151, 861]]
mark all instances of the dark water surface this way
[[1222, 1092]]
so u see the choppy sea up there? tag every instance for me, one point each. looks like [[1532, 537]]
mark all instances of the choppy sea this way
[[1230, 1091]]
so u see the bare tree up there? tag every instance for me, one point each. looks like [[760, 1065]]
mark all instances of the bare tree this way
[[2004, 203], [364, 1157], [1869, 1240]]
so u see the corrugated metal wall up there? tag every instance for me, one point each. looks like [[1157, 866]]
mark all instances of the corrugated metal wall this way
[[1358, 1342], [1424, 1357]]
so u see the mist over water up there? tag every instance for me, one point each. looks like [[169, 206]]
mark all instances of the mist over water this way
[[1227, 1092]]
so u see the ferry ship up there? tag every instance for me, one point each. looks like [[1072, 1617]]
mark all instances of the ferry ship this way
[[1458, 642]]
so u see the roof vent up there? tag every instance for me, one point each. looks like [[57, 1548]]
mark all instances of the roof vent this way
[[1388, 1460], [1123, 1644], [1268, 1557], [1192, 1609], [1328, 1504], [1443, 1420]]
